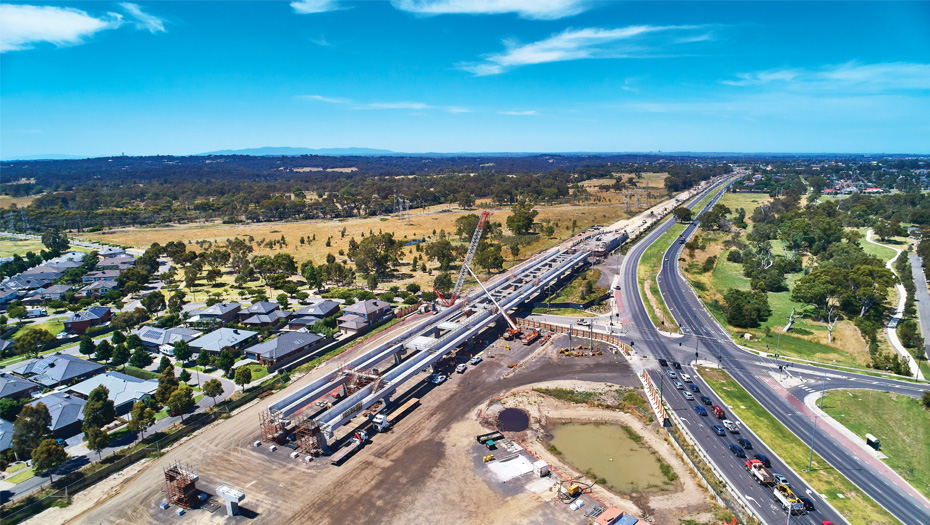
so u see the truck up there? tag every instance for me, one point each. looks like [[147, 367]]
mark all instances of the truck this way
[[383, 421], [357, 442], [718, 412], [530, 336], [789, 502], [731, 426], [758, 471]]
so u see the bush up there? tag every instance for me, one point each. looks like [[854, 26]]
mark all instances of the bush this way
[[709, 264], [735, 256], [747, 309]]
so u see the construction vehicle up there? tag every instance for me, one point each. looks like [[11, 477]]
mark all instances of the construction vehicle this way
[[758, 471], [789, 502], [357, 442], [384, 420], [511, 332], [531, 336], [575, 490], [472, 248]]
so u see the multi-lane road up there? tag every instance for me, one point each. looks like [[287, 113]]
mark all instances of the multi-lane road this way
[[756, 375]]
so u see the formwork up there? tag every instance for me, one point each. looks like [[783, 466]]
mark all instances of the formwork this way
[[309, 437], [181, 484], [272, 427]]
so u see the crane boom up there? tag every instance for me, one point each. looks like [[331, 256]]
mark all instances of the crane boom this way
[[513, 326], [472, 248]]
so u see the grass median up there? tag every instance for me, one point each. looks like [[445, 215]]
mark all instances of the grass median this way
[[855, 506], [649, 265], [899, 422]]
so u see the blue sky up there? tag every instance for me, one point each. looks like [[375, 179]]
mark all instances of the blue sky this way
[[144, 78]]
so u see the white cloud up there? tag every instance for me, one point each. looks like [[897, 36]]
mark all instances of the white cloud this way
[[26, 25], [519, 113], [851, 77], [143, 20], [308, 7], [408, 105], [577, 44], [533, 9]]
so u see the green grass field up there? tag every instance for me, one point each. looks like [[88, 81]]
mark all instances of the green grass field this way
[[883, 253], [21, 475], [649, 265], [899, 422], [52, 327], [568, 312], [854, 506], [10, 246]]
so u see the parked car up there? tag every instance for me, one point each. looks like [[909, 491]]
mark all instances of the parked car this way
[[764, 459], [700, 410], [737, 451], [461, 369], [694, 388], [745, 443], [706, 400], [688, 396], [663, 362], [676, 364], [719, 430], [781, 479], [475, 360], [438, 379], [61, 442]]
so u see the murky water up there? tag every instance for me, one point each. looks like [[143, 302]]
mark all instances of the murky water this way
[[607, 451]]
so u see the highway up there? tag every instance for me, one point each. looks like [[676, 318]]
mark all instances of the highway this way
[[757, 375]]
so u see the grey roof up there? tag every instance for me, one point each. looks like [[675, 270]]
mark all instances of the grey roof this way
[[64, 409], [4, 344], [11, 385], [366, 307], [6, 435], [269, 318], [122, 388], [217, 309], [20, 282], [102, 274], [53, 369], [304, 320], [320, 308], [352, 321], [6, 291], [57, 289], [217, 340], [63, 264], [260, 307], [284, 344], [42, 271], [92, 313], [161, 336], [110, 250], [108, 284]]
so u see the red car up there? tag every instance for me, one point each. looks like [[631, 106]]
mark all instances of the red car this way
[[718, 412], [827, 523]]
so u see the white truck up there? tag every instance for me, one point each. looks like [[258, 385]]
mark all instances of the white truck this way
[[383, 421], [789, 502]]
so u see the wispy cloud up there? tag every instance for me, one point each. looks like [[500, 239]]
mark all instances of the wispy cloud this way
[[519, 113], [143, 20], [403, 104], [321, 41], [577, 44], [848, 77], [533, 9], [26, 25], [308, 7]]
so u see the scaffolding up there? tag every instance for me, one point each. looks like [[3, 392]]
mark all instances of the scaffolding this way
[[272, 427], [181, 483], [309, 437], [359, 379]]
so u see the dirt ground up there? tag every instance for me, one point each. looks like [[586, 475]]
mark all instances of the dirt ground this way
[[687, 501], [423, 470]]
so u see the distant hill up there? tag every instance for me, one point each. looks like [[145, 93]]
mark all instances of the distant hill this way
[[50, 156], [326, 152]]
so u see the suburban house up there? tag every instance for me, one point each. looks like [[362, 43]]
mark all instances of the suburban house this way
[[7, 294], [93, 316], [4, 345], [124, 390], [16, 387], [302, 322], [269, 319], [111, 251], [55, 292], [360, 316], [100, 275], [257, 308], [285, 348], [47, 273], [97, 289], [321, 308], [67, 413], [163, 339], [26, 283], [6, 435], [218, 313], [54, 370], [231, 339], [120, 262]]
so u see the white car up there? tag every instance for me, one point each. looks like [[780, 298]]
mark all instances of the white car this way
[[461, 369], [686, 378], [475, 360], [584, 322], [438, 379]]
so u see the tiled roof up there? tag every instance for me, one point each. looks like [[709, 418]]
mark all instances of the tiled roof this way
[[122, 388], [12, 385], [53, 369], [217, 340], [320, 308], [64, 409], [284, 344]]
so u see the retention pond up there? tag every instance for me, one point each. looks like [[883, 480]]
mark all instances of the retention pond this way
[[613, 453]]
